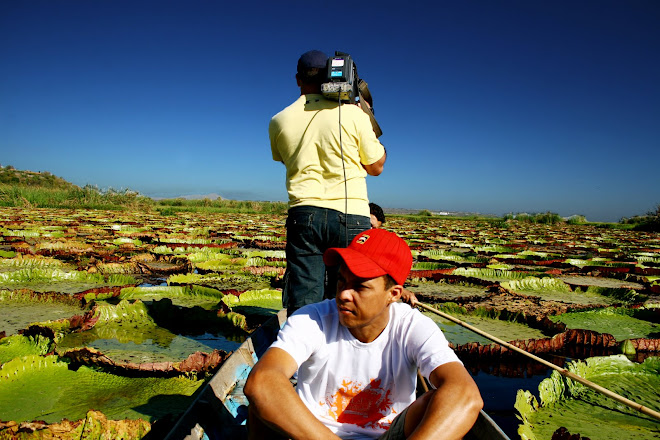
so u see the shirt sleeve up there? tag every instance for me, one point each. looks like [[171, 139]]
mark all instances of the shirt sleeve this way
[[371, 150], [429, 347], [273, 134], [300, 337]]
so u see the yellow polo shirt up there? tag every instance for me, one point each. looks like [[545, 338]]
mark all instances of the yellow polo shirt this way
[[305, 137]]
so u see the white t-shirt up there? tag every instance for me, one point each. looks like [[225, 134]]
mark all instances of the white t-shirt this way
[[357, 389]]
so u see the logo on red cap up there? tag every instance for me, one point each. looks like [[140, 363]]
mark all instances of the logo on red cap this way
[[374, 253]]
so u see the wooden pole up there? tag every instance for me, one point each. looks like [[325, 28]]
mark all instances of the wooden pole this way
[[564, 372]]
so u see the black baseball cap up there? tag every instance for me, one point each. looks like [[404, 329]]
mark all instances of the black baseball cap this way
[[313, 59]]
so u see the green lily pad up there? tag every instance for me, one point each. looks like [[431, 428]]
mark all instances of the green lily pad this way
[[56, 280], [18, 345], [266, 298], [44, 388], [553, 289], [584, 411], [490, 274], [619, 322], [185, 296], [239, 281], [20, 309], [446, 291], [129, 332], [503, 329]]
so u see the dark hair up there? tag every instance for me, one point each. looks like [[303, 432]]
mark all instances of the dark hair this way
[[389, 282], [377, 211]]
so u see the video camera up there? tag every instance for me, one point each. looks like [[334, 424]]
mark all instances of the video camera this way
[[343, 84]]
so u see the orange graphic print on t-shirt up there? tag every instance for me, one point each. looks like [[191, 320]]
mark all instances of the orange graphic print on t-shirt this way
[[360, 405]]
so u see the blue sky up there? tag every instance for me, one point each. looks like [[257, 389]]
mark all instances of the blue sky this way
[[486, 106]]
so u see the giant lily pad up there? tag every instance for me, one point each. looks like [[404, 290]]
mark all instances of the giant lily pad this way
[[619, 322], [265, 298], [556, 290], [582, 410], [128, 332], [18, 345], [49, 280], [44, 388], [94, 426], [239, 281], [21, 308], [507, 330], [186, 296]]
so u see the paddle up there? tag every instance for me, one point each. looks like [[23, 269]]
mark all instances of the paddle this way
[[562, 371]]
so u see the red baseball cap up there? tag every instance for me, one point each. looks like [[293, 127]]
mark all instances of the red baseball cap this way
[[374, 253]]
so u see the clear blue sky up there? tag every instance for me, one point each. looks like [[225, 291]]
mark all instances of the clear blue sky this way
[[486, 106]]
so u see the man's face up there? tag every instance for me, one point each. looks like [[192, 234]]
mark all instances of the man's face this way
[[363, 304]]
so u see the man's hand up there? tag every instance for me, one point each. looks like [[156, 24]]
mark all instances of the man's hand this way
[[409, 298]]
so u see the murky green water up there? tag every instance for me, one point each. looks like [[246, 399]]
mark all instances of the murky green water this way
[[19, 315]]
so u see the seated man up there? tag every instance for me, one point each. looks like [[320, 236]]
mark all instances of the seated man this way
[[357, 358]]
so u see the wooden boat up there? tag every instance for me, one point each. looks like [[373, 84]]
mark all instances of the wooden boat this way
[[219, 411]]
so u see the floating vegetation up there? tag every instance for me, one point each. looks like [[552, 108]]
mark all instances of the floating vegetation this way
[[457, 257], [581, 410], [237, 281], [21, 308], [118, 268], [18, 345], [75, 247], [429, 265], [264, 301], [533, 284], [186, 296], [444, 291], [490, 274], [505, 277], [95, 425], [31, 262], [47, 280], [621, 294], [488, 321], [553, 289], [619, 322], [225, 264], [585, 281], [41, 388], [130, 332]]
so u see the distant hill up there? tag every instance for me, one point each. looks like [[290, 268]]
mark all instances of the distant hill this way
[[404, 211], [11, 176]]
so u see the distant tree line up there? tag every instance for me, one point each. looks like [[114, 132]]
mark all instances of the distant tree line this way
[[543, 218], [649, 222]]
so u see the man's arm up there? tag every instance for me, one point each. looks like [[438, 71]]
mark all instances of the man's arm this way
[[449, 411], [274, 400], [377, 167]]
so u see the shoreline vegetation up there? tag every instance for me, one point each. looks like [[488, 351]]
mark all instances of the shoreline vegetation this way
[[28, 189]]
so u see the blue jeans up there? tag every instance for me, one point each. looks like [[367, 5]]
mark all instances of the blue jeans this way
[[310, 231]]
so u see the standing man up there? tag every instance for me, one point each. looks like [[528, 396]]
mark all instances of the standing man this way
[[357, 358], [326, 169]]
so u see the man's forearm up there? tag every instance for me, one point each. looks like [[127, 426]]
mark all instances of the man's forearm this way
[[274, 400], [450, 410], [450, 415]]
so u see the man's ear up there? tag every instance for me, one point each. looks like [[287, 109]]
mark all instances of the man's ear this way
[[298, 80], [395, 293]]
